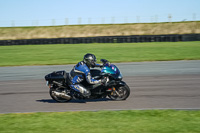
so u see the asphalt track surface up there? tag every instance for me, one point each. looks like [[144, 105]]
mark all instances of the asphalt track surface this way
[[154, 85]]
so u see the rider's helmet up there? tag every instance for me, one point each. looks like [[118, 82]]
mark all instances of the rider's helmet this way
[[89, 59]]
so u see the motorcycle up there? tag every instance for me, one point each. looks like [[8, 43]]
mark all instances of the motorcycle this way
[[114, 88]]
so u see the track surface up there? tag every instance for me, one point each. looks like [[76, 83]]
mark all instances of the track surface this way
[[173, 84]]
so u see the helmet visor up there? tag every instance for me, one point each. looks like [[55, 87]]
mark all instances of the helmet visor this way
[[93, 62]]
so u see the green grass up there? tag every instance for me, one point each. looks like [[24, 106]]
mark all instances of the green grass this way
[[123, 52], [149, 121]]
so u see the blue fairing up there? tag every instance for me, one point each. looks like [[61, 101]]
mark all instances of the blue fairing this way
[[111, 69]]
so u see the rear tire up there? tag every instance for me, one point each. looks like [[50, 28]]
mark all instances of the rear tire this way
[[58, 99], [123, 91]]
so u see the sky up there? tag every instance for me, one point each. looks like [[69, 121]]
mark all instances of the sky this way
[[70, 12]]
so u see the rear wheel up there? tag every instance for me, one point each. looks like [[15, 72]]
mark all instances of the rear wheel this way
[[56, 98], [120, 93]]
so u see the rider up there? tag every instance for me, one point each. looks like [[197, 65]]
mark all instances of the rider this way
[[81, 71]]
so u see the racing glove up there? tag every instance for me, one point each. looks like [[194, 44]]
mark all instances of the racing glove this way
[[104, 80]]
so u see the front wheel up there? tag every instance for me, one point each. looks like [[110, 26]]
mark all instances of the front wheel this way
[[120, 93]]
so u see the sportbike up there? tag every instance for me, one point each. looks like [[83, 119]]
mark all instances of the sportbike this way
[[114, 88]]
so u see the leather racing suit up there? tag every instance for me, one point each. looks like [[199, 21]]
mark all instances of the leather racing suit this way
[[80, 72]]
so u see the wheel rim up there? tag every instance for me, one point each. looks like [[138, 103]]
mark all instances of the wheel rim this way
[[122, 92]]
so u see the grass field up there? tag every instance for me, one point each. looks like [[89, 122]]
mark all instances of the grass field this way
[[149, 121], [72, 53]]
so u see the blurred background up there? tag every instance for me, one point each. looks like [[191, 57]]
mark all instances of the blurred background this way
[[99, 20], [27, 19], [78, 12]]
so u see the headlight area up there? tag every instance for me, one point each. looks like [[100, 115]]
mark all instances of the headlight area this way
[[120, 76]]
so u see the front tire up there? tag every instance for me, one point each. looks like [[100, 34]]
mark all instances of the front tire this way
[[120, 93]]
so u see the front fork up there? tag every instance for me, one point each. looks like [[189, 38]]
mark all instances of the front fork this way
[[113, 91]]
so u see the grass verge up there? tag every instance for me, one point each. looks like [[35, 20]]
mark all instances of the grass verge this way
[[72, 53], [147, 121]]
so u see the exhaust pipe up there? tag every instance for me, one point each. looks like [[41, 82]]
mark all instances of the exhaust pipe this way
[[62, 95]]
